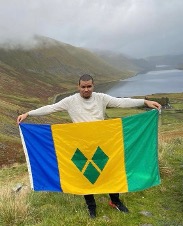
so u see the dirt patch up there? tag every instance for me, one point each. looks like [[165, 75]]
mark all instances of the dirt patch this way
[[169, 135], [11, 153]]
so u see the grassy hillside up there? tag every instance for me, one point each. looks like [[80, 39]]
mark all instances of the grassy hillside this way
[[158, 206], [58, 62], [30, 78], [51, 67]]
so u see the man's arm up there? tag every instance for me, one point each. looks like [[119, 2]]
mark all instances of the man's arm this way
[[46, 110], [129, 102]]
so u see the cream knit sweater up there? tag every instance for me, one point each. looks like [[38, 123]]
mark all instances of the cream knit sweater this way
[[85, 110]]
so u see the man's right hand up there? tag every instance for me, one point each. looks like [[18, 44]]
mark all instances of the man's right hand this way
[[21, 117]]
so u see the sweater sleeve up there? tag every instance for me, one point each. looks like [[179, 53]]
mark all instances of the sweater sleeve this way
[[123, 102], [48, 109]]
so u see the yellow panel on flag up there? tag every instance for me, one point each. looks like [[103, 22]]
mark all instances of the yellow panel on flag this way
[[90, 157]]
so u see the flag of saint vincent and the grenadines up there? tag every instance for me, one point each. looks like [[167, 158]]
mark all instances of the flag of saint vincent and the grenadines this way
[[110, 156]]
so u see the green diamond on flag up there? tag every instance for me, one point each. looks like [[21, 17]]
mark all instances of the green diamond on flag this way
[[100, 158], [79, 159], [91, 173]]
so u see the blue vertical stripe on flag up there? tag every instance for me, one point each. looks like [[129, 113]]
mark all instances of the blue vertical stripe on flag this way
[[42, 156]]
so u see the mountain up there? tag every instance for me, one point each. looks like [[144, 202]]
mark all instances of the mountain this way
[[173, 61], [32, 77], [54, 64], [123, 62]]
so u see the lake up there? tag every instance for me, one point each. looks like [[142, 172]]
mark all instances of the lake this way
[[163, 81]]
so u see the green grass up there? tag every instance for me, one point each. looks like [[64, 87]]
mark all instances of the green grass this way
[[163, 202]]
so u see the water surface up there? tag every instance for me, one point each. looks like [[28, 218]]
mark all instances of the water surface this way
[[163, 81]]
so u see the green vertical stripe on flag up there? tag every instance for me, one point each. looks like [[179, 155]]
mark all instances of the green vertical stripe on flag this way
[[141, 150]]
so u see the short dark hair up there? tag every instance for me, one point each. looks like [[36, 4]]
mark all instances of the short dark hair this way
[[85, 77]]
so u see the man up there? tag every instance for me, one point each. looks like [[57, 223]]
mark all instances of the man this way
[[88, 106]]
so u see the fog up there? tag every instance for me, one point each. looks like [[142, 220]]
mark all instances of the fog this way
[[138, 28]]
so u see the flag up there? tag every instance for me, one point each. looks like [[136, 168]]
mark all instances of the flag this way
[[109, 156]]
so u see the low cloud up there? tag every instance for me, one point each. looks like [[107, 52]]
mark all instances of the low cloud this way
[[135, 27]]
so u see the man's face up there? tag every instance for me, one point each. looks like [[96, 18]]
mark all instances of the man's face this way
[[85, 88]]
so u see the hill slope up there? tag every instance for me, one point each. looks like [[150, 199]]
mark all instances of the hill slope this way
[[30, 78], [54, 64]]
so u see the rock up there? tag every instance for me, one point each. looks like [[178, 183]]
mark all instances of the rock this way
[[146, 213], [106, 218], [146, 225], [17, 187]]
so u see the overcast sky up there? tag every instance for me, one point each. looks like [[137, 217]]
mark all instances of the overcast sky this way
[[135, 27]]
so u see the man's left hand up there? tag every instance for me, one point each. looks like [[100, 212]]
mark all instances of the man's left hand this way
[[152, 104]]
